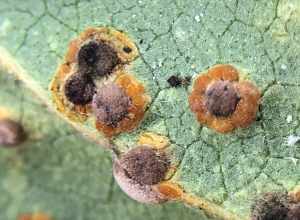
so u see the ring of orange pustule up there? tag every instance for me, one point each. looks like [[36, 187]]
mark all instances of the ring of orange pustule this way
[[245, 110]]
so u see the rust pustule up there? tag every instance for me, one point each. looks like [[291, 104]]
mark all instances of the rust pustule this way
[[136, 191], [221, 98], [12, 133], [129, 114], [111, 104], [145, 165], [79, 89], [97, 59], [223, 101], [272, 205]]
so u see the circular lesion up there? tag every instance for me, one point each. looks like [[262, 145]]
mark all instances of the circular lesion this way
[[222, 100]]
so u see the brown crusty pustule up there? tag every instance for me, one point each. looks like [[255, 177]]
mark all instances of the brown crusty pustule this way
[[97, 59], [141, 193], [145, 165], [79, 89], [271, 206], [221, 98], [111, 104], [12, 133]]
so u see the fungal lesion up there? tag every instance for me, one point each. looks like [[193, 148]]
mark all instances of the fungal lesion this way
[[224, 101], [141, 170], [276, 205], [12, 132], [94, 77]]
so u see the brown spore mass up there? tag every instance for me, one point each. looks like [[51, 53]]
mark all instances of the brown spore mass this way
[[145, 165], [294, 212], [221, 98], [79, 89], [97, 59], [111, 104], [271, 206], [11, 133]]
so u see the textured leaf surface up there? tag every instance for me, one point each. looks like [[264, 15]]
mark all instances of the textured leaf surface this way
[[187, 37]]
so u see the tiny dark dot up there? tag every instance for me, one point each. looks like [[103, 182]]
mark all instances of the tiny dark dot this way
[[127, 49], [221, 99], [97, 59], [79, 89], [174, 81]]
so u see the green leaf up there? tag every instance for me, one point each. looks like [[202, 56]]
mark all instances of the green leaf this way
[[181, 37]]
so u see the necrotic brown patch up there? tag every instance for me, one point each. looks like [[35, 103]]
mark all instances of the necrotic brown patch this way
[[221, 98], [79, 89], [97, 59], [145, 165], [111, 104]]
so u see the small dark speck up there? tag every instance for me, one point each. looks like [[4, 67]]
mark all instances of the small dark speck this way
[[176, 81], [127, 49]]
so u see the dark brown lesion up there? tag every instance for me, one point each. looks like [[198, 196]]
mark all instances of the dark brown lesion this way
[[145, 165], [127, 49], [12, 133], [79, 89], [111, 104], [276, 206], [294, 213], [97, 58], [271, 206], [221, 98]]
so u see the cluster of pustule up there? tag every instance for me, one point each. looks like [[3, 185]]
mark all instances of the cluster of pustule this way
[[277, 206], [94, 81]]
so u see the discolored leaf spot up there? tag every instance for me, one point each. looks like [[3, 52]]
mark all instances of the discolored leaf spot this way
[[11, 133], [271, 206], [145, 165], [111, 104], [97, 59], [79, 89], [221, 98]]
